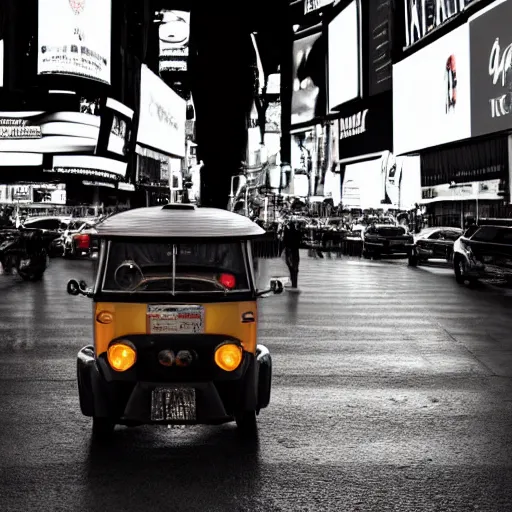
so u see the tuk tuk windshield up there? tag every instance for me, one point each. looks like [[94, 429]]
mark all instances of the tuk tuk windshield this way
[[153, 267]]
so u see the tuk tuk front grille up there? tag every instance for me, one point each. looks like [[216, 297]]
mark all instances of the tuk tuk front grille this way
[[202, 368]]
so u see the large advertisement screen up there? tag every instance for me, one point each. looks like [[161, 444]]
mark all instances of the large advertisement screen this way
[[1, 63], [174, 33], [491, 71], [344, 62], [74, 38], [431, 94], [380, 30], [162, 115], [308, 78], [395, 183]]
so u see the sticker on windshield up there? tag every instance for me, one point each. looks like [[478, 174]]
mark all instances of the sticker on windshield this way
[[165, 319]]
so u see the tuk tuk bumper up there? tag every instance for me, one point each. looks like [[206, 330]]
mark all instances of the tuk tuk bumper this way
[[127, 398]]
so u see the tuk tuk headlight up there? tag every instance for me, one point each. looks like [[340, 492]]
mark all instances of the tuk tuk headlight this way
[[121, 355], [228, 356]]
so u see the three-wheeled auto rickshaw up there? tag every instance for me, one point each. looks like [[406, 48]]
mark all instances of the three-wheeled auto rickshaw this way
[[175, 322]]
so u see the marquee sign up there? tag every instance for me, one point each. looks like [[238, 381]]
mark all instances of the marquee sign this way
[[366, 127], [315, 5], [424, 16], [11, 128], [353, 125], [487, 189]]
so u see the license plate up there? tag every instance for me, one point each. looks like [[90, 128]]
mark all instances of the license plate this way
[[173, 404], [162, 319], [487, 259], [396, 242]]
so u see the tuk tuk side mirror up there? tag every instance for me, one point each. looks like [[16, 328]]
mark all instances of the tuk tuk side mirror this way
[[78, 288], [276, 285]]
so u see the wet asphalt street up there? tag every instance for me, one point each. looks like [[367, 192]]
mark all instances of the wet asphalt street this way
[[392, 391]]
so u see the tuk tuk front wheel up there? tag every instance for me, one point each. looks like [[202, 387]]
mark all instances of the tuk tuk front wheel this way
[[102, 428], [247, 424]]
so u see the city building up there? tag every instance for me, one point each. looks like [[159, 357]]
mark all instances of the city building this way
[[451, 104], [341, 120], [76, 103]]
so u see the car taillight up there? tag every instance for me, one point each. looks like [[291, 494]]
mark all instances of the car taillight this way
[[82, 241]]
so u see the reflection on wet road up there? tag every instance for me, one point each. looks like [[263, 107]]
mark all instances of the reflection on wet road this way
[[392, 391]]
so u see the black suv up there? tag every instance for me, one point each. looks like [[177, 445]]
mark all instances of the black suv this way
[[387, 240], [483, 252]]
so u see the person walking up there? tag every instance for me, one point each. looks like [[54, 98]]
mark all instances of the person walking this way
[[291, 242]]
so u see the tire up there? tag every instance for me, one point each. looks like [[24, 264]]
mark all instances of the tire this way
[[413, 261], [70, 254], [264, 384], [36, 276], [459, 267], [102, 429], [247, 425]]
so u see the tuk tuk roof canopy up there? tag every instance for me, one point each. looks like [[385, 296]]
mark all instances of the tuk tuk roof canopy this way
[[178, 221]]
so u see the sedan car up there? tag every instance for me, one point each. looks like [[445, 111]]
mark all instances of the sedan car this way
[[387, 240], [483, 253], [77, 238], [333, 231], [434, 243]]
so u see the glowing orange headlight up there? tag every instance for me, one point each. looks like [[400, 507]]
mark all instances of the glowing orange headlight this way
[[228, 356], [121, 356]]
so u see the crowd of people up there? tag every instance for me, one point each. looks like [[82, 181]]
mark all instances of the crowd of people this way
[[289, 225]]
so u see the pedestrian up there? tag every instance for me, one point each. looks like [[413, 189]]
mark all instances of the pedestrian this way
[[291, 242]]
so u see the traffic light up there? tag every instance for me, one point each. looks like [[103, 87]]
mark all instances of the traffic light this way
[[187, 183]]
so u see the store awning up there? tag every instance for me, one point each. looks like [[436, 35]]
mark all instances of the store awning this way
[[466, 162], [363, 158], [98, 184], [154, 155]]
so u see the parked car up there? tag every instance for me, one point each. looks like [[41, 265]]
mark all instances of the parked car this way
[[77, 240], [50, 229], [333, 232], [434, 243], [483, 253], [387, 240]]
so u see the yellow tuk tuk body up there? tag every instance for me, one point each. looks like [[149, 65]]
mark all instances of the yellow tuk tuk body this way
[[175, 322]]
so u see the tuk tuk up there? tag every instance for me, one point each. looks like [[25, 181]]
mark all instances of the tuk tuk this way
[[175, 322]]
